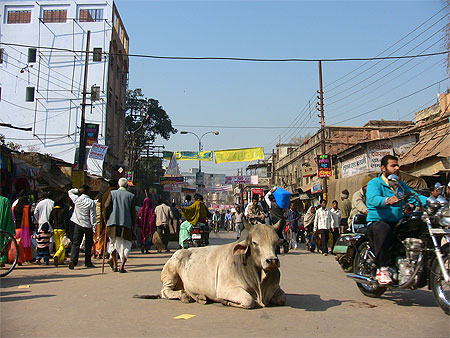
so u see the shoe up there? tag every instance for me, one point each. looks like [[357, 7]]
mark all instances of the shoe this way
[[167, 250], [383, 277], [88, 266], [38, 261], [55, 261], [123, 271], [46, 263], [325, 254], [71, 265]]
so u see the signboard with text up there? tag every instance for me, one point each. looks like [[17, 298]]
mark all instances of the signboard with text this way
[[171, 180], [91, 133], [324, 168], [308, 171], [238, 179], [98, 151]]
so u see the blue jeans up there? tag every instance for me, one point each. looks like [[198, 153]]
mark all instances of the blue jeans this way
[[43, 253]]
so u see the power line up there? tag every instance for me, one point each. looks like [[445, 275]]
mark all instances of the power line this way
[[235, 127], [222, 58], [331, 89], [390, 103]]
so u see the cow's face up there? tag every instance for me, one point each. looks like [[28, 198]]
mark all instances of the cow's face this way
[[262, 242]]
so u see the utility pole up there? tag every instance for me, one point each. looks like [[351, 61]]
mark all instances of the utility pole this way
[[82, 150], [322, 127]]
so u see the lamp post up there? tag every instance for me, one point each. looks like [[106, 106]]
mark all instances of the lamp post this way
[[199, 143]]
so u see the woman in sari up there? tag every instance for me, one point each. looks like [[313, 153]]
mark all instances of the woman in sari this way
[[22, 219], [147, 223], [6, 223]]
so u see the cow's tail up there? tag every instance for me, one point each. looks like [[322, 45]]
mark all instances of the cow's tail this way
[[147, 296]]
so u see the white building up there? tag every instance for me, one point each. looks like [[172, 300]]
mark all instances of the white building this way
[[42, 62]]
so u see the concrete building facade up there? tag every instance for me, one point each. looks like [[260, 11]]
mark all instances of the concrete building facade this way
[[42, 62]]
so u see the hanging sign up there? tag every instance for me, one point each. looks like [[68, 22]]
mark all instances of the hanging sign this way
[[98, 151], [259, 191], [130, 178], [316, 188], [171, 180], [238, 179], [324, 166], [308, 171], [91, 133]]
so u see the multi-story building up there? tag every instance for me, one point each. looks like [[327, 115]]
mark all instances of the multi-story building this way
[[42, 61]]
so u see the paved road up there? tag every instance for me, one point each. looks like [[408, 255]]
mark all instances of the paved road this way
[[321, 301]]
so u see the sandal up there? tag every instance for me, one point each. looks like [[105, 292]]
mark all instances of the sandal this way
[[111, 264]]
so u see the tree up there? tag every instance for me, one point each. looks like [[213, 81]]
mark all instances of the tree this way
[[10, 145], [145, 120], [300, 139]]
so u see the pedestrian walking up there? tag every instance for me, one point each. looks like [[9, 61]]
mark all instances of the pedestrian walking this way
[[335, 224], [346, 209], [308, 222], [6, 223], [24, 226], [43, 237], [120, 209], [84, 218], [322, 224], [58, 221], [43, 209], [163, 217], [216, 221], [239, 221], [292, 219], [228, 220], [147, 224]]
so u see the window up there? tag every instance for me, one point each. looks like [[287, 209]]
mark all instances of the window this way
[[90, 15], [29, 95], [2, 51], [23, 16], [31, 55], [97, 55], [54, 15]]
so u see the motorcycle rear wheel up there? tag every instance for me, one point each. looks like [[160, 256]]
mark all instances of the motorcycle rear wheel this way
[[363, 265], [441, 291]]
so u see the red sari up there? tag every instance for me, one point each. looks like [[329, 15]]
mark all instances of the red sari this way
[[23, 234], [147, 221]]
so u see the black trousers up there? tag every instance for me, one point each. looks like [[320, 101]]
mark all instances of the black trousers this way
[[78, 233], [335, 234], [325, 237], [381, 236], [164, 234]]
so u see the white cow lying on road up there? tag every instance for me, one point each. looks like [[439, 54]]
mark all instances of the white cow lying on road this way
[[243, 274]]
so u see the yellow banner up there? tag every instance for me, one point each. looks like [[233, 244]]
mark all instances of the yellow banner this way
[[239, 155]]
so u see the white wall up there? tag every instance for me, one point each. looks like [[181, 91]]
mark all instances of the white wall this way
[[57, 76]]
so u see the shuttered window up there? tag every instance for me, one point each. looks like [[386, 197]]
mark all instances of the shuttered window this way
[[90, 15], [57, 15], [19, 17]]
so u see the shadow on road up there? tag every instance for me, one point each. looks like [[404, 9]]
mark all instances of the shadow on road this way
[[310, 302], [21, 297], [411, 298], [11, 281]]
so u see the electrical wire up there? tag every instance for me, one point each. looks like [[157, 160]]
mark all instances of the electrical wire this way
[[221, 58], [359, 67], [390, 103]]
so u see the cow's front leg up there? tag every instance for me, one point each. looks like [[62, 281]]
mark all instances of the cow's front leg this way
[[279, 298], [238, 297]]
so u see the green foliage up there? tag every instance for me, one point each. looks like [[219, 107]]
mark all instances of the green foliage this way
[[10, 145]]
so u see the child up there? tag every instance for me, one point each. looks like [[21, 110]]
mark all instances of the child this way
[[43, 243]]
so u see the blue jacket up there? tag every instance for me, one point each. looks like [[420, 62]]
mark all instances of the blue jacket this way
[[377, 194]]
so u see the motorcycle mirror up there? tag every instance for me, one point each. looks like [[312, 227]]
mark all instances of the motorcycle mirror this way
[[393, 180]]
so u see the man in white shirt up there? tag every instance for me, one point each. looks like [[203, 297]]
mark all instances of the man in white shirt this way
[[322, 223], [336, 221], [43, 210], [163, 216], [85, 217]]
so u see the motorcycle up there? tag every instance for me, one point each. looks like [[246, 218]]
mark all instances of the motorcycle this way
[[199, 236], [344, 249], [418, 258]]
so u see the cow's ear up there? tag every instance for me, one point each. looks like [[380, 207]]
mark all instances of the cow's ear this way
[[240, 248], [277, 225], [247, 225]]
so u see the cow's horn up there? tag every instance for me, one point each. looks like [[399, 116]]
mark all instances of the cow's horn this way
[[277, 225], [247, 225]]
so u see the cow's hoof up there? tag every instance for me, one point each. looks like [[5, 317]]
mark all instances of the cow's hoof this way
[[185, 298]]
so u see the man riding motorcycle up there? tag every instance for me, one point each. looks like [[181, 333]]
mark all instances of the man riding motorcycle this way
[[384, 205]]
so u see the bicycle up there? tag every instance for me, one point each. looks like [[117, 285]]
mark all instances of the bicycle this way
[[6, 240]]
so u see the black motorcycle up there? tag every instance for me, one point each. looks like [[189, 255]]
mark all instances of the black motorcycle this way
[[199, 236], [418, 256]]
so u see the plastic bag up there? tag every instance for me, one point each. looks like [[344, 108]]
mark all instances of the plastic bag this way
[[66, 242]]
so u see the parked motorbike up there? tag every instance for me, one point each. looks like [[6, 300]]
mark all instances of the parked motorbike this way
[[418, 258], [344, 249]]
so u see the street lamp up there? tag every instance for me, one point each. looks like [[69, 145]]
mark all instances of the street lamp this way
[[199, 143]]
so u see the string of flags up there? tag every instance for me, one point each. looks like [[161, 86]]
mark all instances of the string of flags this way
[[221, 156]]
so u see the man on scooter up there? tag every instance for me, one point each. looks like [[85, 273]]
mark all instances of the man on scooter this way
[[384, 205]]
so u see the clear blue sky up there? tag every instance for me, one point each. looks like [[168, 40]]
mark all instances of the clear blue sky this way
[[234, 93]]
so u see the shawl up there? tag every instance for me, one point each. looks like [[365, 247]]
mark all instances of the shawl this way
[[25, 232], [147, 218], [6, 217], [309, 217], [195, 212]]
